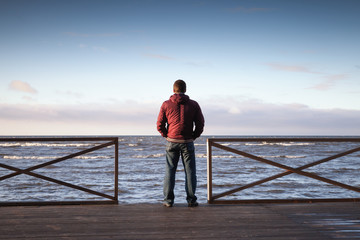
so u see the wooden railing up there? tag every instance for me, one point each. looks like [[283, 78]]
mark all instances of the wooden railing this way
[[108, 141], [219, 143]]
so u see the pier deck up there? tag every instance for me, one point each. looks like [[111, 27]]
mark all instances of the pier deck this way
[[153, 221]]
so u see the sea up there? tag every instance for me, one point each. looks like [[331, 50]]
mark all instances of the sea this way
[[141, 170]]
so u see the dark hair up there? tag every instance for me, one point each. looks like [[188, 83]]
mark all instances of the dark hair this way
[[179, 86]]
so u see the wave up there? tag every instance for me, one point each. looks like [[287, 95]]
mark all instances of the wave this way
[[286, 144], [28, 144], [239, 156], [200, 144], [52, 157], [284, 156], [218, 156], [158, 155], [132, 144], [138, 149]]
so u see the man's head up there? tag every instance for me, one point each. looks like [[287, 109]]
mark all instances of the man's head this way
[[179, 86]]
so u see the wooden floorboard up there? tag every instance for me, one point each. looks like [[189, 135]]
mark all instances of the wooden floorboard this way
[[153, 221]]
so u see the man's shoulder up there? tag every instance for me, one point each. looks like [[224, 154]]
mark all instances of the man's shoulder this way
[[194, 103], [166, 102]]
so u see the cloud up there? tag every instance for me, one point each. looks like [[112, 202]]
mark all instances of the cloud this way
[[74, 34], [29, 99], [69, 93], [76, 119], [90, 113], [222, 117], [199, 63], [290, 68], [249, 10], [21, 86], [329, 82], [254, 117]]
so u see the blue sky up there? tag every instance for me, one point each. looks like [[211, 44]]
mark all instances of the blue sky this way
[[105, 67]]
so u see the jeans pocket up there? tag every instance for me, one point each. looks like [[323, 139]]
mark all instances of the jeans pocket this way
[[190, 147], [169, 146]]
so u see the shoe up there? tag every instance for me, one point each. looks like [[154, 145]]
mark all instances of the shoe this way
[[167, 204], [194, 204]]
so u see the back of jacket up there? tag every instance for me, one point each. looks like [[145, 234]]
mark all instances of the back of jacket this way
[[177, 118]]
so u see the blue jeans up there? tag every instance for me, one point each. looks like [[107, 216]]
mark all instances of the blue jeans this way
[[173, 153]]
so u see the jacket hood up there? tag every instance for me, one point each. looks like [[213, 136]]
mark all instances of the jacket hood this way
[[179, 98]]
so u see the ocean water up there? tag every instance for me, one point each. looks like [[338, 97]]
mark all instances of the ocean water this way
[[141, 170]]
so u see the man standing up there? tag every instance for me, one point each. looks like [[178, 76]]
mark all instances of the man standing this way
[[175, 122]]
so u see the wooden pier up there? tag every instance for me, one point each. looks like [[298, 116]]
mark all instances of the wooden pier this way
[[153, 221]]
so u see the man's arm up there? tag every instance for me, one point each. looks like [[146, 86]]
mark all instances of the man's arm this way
[[161, 121], [199, 123]]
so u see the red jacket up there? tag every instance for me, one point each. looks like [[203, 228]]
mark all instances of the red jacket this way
[[177, 118]]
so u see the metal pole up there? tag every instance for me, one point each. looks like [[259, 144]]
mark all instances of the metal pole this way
[[209, 171], [116, 170]]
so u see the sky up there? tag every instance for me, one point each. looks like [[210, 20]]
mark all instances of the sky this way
[[256, 67]]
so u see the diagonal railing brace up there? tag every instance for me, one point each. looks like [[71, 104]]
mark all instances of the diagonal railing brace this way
[[290, 170]]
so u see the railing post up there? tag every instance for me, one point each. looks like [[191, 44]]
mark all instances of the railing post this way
[[209, 171], [116, 170]]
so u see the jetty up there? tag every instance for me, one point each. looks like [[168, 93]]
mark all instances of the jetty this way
[[334, 220], [217, 219]]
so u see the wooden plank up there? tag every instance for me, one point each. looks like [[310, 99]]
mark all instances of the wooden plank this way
[[153, 221]]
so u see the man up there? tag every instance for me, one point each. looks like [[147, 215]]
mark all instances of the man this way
[[175, 122]]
